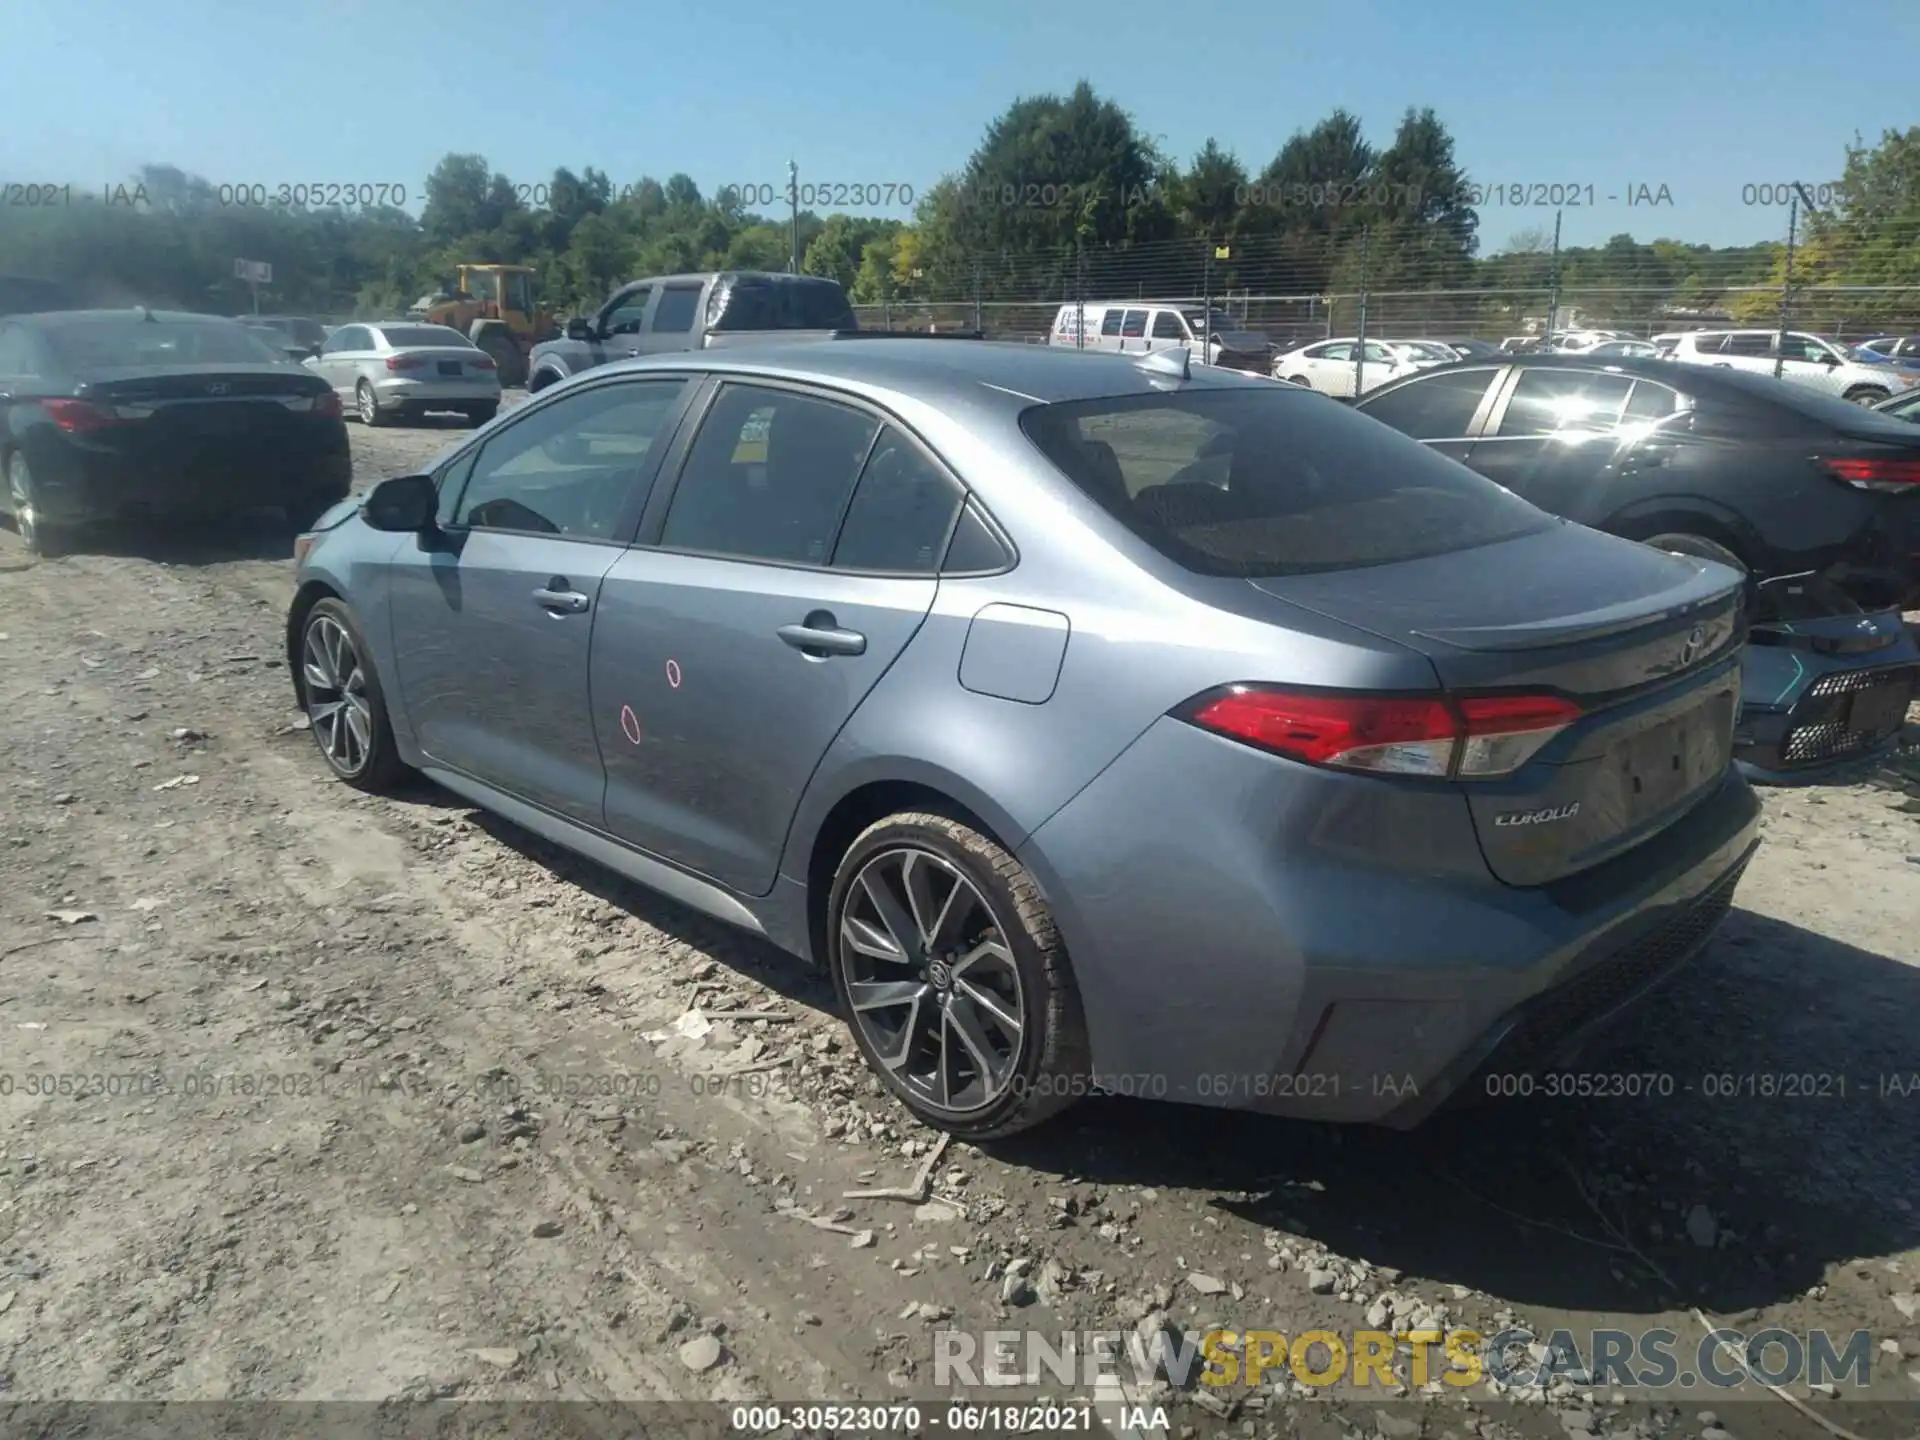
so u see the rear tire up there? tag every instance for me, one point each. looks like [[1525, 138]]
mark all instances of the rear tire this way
[[1867, 395], [44, 540], [995, 958], [512, 365], [481, 414], [346, 707], [1700, 548], [367, 405]]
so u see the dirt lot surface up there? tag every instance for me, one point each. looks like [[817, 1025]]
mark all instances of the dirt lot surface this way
[[311, 1096]]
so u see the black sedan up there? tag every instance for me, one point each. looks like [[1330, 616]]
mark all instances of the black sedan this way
[[109, 414], [1736, 467]]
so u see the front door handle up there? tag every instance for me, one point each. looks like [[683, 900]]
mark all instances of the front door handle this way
[[558, 597], [820, 637]]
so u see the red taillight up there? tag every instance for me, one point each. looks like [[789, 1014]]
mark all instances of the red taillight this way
[[485, 362], [405, 362], [328, 405], [1478, 737], [79, 416], [1863, 474]]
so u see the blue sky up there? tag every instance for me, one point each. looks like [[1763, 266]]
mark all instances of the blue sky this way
[[1701, 96]]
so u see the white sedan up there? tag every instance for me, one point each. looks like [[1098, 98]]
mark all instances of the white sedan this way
[[1330, 366]]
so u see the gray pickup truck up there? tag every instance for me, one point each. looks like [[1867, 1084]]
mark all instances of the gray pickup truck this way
[[693, 312]]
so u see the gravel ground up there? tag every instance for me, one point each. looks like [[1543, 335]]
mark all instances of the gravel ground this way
[[367, 1098]]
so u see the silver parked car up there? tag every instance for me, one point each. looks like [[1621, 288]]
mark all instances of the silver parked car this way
[[1096, 721], [390, 370]]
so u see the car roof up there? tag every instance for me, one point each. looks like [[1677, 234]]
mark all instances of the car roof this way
[[937, 371], [59, 319], [1698, 379]]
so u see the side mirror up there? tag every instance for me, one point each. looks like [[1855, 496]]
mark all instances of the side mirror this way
[[579, 329], [405, 505]]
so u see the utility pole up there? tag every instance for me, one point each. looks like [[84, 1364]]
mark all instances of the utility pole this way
[[1553, 284], [1360, 344], [793, 218], [1786, 284]]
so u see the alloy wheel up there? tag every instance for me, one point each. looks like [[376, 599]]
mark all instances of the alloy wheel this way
[[932, 981], [369, 405], [20, 497], [338, 707]]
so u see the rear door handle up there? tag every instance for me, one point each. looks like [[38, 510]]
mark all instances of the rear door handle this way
[[558, 597], [821, 637]]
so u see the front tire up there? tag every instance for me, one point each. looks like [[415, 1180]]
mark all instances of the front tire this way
[[953, 978], [1866, 395], [346, 708]]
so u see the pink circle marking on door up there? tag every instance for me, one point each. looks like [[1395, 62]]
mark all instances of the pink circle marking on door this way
[[630, 724], [673, 673]]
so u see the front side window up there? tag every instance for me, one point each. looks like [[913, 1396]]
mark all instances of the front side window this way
[[569, 468], [626, 314], [1271, 481], [1434, 407], [1134, 326], [769, 476]]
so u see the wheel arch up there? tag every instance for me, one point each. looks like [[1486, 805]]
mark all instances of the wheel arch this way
[[310, 594], [816, 854], [1676, 515]]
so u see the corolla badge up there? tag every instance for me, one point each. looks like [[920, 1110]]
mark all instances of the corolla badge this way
[[1538, 817]]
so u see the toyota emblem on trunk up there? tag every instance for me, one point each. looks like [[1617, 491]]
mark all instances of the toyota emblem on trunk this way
[[219, 387], [1690, 651]]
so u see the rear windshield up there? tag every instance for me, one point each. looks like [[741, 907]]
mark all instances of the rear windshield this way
[[401, 337], [800, 304], [1827, 412], [115, 342], [1270, 481]]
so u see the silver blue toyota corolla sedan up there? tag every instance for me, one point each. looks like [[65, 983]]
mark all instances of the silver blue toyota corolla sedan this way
[[1097, 723]]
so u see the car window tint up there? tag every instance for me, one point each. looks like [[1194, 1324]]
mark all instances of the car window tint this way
[[17, 352], [974, 547], [768, 476], [1134, 326], [1651, 402], [1434, 407], [1805, 347], [1166, 326], [1546, 402], [1110, 322], [1332, 352], [902, 510], [677, 308], [625, 318], [1749, 344], [1271, 481], [569, 468]]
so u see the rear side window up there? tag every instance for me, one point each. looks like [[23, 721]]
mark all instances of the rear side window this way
[[1749, 343], [1708, 344], [1651, 402], [1270, 481], [1134, 327], [1546, 402], [677, 308], [1110, 322], [769, 476], [1166, 326], [1435, 407], [902, 511]]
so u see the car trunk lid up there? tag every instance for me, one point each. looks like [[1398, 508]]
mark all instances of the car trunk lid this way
[[1644, 642], [200, 414]]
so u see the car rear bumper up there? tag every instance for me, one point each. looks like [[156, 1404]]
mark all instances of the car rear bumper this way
[[73, 484], [417, 393], [1253, 934]]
